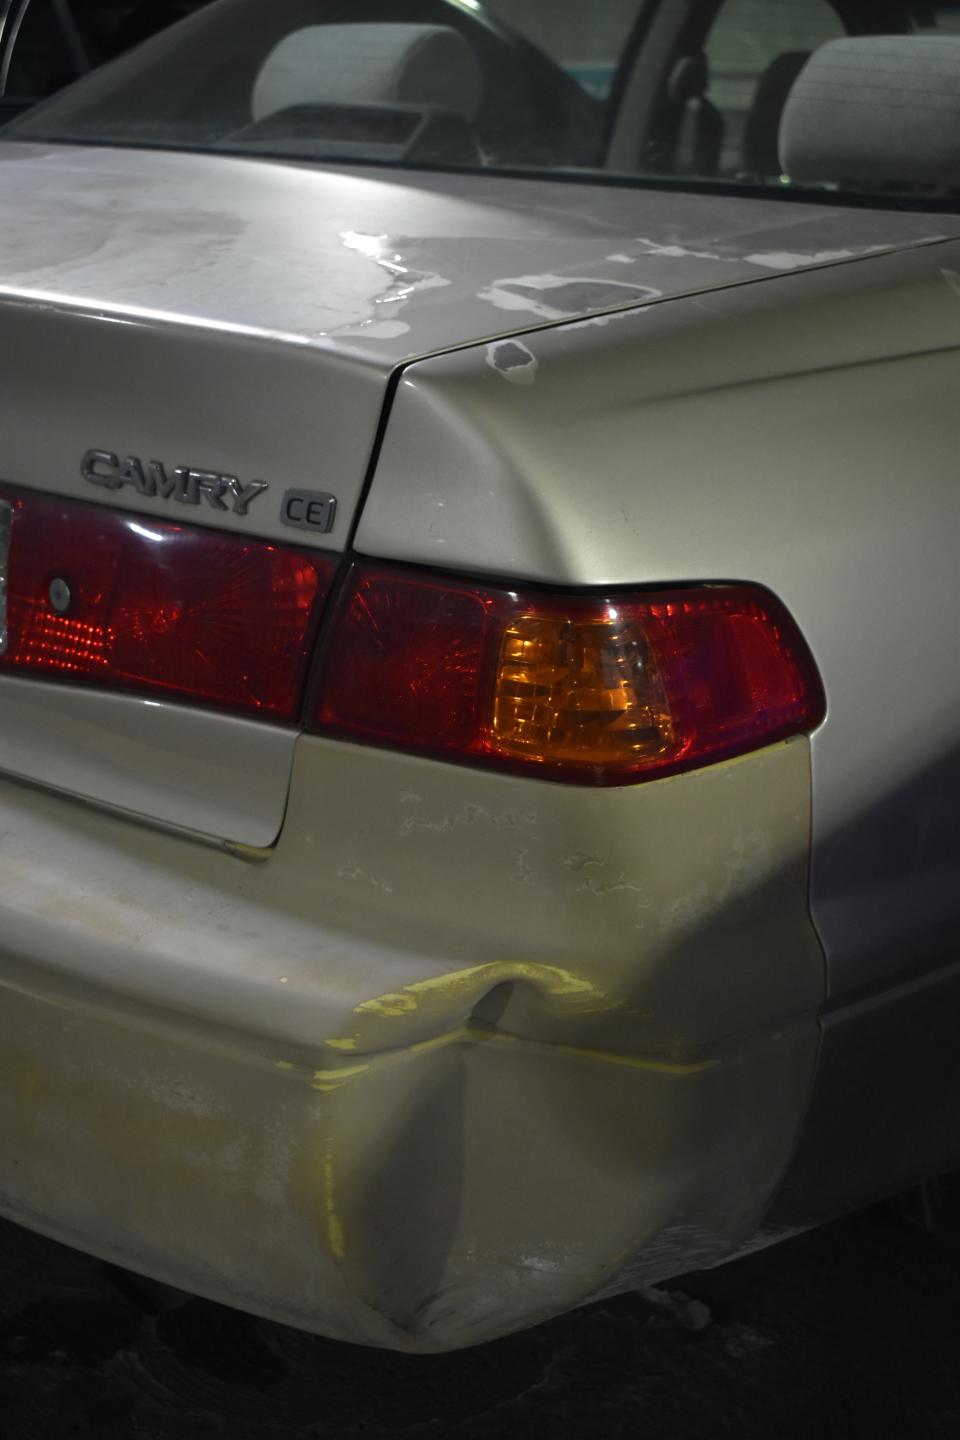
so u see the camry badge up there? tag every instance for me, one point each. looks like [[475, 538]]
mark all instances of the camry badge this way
[[189, 486]]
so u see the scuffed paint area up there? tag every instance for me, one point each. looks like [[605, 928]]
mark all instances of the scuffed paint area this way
[[423, 1198], [798, 260], [784, 260], [557, 297], [458, 993], [405, 282], [344, 261], [556, 1087]]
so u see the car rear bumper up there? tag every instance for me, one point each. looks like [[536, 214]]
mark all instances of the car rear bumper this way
[[584, 1066]]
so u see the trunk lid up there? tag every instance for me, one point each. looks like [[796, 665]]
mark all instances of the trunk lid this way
[[208, 341]]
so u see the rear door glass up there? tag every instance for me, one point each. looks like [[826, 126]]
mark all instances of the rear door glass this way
[[110, 27], [754, 51], [585, 39], [943, 18], [53, 42], [41, 59]]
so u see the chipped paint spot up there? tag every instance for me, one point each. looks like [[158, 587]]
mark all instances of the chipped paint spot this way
[[593, 885], [392, 1004], [555, 297], [284, 1065], [767, 259], [581, 861], [513, 360], [350, 870], [522, 872]]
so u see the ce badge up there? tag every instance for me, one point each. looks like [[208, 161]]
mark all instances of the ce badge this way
[[309, 510]]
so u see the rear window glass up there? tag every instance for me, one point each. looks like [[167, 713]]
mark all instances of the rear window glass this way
[[724, 91]]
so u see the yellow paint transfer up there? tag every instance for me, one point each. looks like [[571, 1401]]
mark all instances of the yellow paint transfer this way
[[335, 1231]]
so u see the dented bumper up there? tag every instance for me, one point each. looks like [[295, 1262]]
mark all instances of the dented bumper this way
[[463, 1052]]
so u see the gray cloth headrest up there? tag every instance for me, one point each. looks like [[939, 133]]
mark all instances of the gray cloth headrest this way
[[379, 64], [876, 110]]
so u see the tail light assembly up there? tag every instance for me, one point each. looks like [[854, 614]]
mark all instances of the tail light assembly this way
[[591, 689], [139, 604]]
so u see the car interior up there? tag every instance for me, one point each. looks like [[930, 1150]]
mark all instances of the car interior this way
[[808, 93]]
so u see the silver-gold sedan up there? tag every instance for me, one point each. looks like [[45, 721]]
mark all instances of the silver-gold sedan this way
[[479, 646]]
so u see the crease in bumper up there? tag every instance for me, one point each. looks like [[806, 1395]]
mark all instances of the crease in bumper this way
[[333, 1078]]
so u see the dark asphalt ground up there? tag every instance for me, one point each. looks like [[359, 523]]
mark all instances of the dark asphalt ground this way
[[853, 1330]]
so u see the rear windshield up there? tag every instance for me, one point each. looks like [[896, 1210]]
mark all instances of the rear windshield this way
[[837, 97]]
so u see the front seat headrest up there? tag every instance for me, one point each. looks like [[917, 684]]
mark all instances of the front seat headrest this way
[[876, 110], [369, 64]]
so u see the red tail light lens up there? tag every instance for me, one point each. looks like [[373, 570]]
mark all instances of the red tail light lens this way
[[598, 690], [136, 603]]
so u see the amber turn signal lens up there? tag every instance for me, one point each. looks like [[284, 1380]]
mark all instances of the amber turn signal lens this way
[[586, 690]]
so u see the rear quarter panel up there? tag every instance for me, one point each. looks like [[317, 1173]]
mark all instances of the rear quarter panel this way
[[799, 432]]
